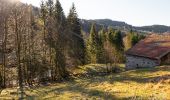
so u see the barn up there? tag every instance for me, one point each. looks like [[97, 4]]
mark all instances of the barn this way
[[152, 51]]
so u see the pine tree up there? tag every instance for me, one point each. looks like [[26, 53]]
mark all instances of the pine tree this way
[[119, 46], [102, 39], [102, 35], [128, 40], [50, 7], [109, 49], [77, 46], [132, 38], [136, 38], [93, 47], [59, 41], [118, 41]]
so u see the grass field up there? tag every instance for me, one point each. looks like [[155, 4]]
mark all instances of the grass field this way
[[140, 84]]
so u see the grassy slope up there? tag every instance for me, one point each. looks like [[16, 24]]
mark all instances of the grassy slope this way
[[141, 84]]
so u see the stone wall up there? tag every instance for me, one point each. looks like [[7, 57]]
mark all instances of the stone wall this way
[[133, 62]]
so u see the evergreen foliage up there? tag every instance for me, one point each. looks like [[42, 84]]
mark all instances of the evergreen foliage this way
[[59, 41], [93, 45], [77, 45], [132, 38]]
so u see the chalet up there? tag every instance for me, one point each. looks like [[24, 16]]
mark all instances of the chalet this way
[[152, 51]]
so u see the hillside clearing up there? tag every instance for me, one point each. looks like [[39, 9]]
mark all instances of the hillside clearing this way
[[140, 84]]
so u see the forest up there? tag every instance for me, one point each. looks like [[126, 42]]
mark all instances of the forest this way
[[41, 45]]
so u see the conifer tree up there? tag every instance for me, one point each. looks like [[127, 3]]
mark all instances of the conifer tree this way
[[136, 38], [115, 38], [93, 46], [102, 35], [118, 41], [109, 50], [132, 38], [128, 40], [119, 46], [102, 38], [50, 7], [59, 39], [77, 46]]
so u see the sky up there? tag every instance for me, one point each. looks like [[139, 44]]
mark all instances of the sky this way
[[134, 12]]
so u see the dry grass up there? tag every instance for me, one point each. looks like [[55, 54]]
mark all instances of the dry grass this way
[[140, 84]]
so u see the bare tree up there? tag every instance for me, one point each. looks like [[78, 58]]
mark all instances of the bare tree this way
[[19, 17], [4, 24]]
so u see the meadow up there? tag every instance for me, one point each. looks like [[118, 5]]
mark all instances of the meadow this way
[[91, 83]]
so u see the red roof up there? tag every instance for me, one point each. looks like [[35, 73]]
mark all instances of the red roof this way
[[153, 46]]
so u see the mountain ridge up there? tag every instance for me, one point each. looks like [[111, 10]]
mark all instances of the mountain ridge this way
[[122, 26]]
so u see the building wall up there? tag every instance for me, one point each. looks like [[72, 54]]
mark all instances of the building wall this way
[[133, 62], [165, 59]]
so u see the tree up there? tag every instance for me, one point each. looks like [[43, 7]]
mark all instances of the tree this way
[[1, 80], [4, 25], [28, 45], [128, 40], [93, 46], [50, 30], [116, 40], [50, 7], [59, 39], [19, 24], [136, 38], [77, 46], [132, 38], [44, 19], [102, 38]]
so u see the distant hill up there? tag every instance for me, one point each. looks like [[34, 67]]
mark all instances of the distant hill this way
[[154, 28], [86, 24]]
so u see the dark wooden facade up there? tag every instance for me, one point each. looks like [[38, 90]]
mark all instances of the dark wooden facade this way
[[165, 59]]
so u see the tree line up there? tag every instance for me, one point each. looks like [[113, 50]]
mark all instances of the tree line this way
[[42, 44]]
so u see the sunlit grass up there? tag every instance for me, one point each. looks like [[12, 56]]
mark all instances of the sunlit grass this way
[[140, 84]]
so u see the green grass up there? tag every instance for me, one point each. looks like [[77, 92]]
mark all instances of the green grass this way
[[140, 84]]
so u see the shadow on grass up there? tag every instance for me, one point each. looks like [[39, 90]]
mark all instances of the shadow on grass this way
[[81, 88], [154, 69], [141, 75], [138, 75], [143, 98], [87, 92], [74, 88]]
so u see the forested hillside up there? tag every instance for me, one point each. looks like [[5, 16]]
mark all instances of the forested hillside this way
[[124, 26], [154, 28], [105, 23]]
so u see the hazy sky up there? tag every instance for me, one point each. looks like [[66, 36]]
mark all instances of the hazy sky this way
[[134, 12]]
